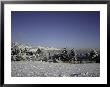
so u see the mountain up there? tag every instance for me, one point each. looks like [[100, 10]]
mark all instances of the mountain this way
[[33, 48], [48, 48]]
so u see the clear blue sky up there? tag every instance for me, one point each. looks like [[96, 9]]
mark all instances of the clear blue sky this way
[[78, 29]]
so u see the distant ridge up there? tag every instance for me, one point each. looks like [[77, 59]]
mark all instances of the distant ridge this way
[[22, 46]]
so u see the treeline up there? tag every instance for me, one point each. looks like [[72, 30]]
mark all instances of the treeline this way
[[25, 54]]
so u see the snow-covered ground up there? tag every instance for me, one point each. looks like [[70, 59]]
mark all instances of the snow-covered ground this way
[[49, 69]]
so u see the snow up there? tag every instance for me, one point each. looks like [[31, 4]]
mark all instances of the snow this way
[[31, 47], [49, 69], [48, 48]]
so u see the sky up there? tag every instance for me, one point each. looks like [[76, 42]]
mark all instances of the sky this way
[[72, 29]]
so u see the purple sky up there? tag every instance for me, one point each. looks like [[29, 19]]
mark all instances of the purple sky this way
[[78, 29]]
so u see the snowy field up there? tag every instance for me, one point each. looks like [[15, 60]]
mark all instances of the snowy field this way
[[49, 69]]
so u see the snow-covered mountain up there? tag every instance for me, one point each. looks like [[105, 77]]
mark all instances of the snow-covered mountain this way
[[48, 48], [22, 46]]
